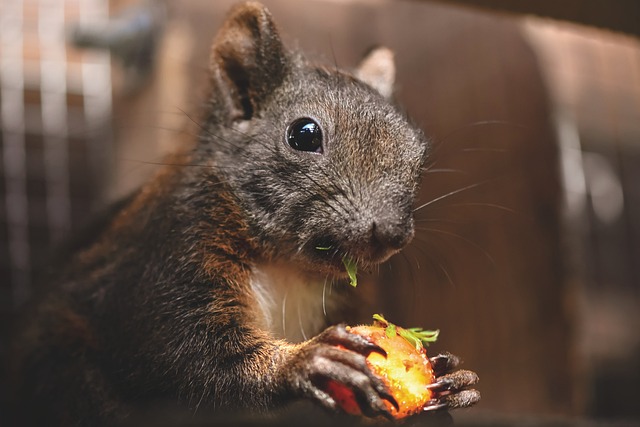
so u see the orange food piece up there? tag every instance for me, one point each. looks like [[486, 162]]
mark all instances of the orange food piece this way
[[406, 370]]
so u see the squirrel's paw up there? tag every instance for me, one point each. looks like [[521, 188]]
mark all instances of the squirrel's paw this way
[[451, 388], [323, 359]]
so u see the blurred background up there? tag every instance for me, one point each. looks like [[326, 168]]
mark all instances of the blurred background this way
[[527, 255]]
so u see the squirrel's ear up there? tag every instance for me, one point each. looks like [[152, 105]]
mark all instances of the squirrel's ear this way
[[378, 70], [248, 60]]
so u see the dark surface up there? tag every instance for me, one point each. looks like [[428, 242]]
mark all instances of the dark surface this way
[[617, 15], [305, 415]]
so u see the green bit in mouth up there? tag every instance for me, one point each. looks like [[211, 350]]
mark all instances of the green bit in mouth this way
[[352, 270], [349, 264]]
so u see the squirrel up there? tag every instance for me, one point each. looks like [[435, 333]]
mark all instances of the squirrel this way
[[179, 295]]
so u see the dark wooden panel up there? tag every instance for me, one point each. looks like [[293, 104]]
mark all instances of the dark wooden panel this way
[[618, 15]]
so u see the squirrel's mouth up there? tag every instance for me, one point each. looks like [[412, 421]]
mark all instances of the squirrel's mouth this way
[[362, 243], [330, 256]]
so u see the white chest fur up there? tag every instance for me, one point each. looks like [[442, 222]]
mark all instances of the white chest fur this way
[[291, 305]]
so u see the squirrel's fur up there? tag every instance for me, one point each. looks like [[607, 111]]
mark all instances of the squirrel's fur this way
[[169, 300]]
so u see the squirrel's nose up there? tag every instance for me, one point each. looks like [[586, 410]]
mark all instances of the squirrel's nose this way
[[391, 235]]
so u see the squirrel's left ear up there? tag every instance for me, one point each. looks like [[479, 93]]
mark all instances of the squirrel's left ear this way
[[378, 70], [248, 60]]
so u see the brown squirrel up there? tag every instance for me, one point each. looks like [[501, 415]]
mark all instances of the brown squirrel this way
[[179, 295]]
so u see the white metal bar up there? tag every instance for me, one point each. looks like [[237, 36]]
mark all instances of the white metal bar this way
[[53, 94], [97, 89], [13, 146]]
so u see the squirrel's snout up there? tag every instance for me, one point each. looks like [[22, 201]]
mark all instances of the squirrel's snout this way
[[381, 237], [391, 235], [370, 241]]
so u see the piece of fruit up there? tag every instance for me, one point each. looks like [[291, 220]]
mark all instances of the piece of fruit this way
[[406, 370]]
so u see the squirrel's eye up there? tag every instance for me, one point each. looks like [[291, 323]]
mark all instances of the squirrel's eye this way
[[305, 135]]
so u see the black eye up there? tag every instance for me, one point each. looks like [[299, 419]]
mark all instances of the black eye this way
[[305, 135]]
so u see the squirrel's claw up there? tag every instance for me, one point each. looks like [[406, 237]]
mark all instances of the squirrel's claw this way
[[460, 399], [338, 335], [444, 363], [454, 381]]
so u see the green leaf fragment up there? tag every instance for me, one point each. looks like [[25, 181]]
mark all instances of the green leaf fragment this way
[[352, 271], [323, 248], [380, 318], [409, 336], [417, 337], [390, 330]]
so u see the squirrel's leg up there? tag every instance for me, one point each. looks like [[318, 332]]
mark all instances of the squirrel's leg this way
[[262, 374]]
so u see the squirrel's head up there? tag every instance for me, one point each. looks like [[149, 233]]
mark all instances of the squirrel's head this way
[[322, 162]]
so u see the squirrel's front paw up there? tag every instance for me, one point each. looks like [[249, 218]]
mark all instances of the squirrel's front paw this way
[[451, 388], [323, 359]]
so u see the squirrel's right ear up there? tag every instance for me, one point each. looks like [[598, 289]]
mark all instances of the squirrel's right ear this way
[[248, 60], [378, 70]]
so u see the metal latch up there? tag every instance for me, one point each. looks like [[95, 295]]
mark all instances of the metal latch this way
[[132, 37]]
